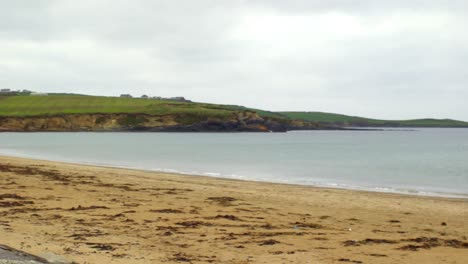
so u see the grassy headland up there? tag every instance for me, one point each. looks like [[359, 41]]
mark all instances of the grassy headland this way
[[82, 104], [35, 113], [356, 121], [54, 104], [70, 112]]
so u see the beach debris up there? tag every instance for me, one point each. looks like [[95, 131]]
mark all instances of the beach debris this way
[[228, 217], [307, 225], [351, 243], [102, 247], [349, 260], [268, 242], [367, 242], [131, 204], [167, 211], [167, 233], [87, 207], [267, 226], [430, 242], [119, 255], [223, 200], [423, 243], [182, 257], [14, 203], [443, 224], [193, 224], [118, 215], [414, 247], [84, 234], [11, 196]]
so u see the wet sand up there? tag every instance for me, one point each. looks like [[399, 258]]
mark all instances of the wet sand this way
[[93, 214]]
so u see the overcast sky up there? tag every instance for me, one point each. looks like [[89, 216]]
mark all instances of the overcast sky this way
[[384, 59]]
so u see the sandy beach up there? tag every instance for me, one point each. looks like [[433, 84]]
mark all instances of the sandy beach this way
[[91, 214]]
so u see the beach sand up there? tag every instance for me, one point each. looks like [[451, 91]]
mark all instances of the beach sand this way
[[92, 214]]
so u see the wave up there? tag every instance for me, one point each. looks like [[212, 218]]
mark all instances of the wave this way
[[311, 182]]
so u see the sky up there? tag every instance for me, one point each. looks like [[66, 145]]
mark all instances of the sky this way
[[394, 59]]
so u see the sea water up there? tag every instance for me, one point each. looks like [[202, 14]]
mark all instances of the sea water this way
[[420, 161]]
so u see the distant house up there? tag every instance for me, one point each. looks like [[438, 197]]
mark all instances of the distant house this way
[[144, 96], [126, 95], [39, 94], [26, 92], [179, 98], [9, 92]]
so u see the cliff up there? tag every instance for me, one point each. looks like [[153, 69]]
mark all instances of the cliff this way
[[237, 121]]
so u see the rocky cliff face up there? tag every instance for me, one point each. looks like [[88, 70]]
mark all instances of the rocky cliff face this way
[[240, 121]]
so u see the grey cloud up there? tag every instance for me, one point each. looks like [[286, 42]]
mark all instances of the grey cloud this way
[[205, 50], [362, 6]]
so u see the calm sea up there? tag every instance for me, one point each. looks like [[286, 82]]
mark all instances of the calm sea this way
[[424, 161]]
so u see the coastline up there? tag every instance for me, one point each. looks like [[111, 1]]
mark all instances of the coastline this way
[[214, 175], [95, 214]]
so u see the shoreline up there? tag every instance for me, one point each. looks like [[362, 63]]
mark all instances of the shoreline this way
[[387, 190], [92, 214]]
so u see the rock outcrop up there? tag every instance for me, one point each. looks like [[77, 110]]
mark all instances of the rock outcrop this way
[[238, 121]]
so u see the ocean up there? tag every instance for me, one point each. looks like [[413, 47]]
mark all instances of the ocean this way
[[429, 161]]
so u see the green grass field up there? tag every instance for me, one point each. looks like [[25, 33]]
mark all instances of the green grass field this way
[[345, 120], [76, 104], [57, 104]]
